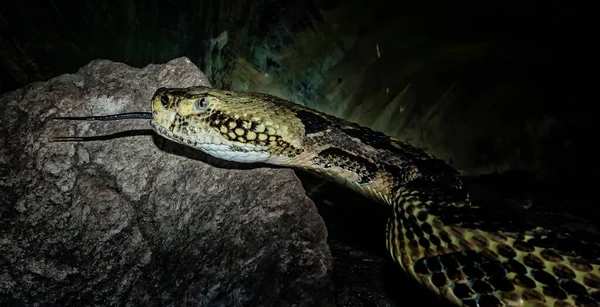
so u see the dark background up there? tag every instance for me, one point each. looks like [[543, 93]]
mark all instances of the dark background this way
[[501, 90], [489, 87]]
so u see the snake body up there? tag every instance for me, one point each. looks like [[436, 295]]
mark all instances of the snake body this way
[[464, 253]]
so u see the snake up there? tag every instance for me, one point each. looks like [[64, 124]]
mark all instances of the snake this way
[[465, 253]]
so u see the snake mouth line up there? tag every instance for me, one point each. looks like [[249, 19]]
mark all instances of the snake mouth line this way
[[170, 135], [166, 133]]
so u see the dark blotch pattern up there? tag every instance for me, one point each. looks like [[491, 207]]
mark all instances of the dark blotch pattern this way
[[482, 287], [434, 240], [472, 217], [422, 215], [490, 255], [313, 123], [427, 228], [445, 236], [585, 300], [596, 295], [523, 246], [489, 301], [592, 281], [462, 291], [514, 266], [364, 168], [555, 292], [551, 255], [486, 276], [468, 258], [480, 241], [494, 269], [379, 140], [533, 295], [424, 242], [454, 274], [434, 264], [533, 261], [545, 278], [439, 279], [249, 135], [581, 265], [420, 267], [473, 272], [563, 271], [524, 281], [449, 261], [414, 226], [502, 284], [506, 251]]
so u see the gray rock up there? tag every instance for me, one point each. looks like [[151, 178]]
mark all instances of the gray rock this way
[[138, 220]]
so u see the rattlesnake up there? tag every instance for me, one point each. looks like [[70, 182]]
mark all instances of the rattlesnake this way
[[462, 252]]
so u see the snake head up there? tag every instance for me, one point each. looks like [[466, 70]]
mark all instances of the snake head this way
[[234, 126]]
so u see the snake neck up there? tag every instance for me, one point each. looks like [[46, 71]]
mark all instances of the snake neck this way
[[471, 255], [374, 165]]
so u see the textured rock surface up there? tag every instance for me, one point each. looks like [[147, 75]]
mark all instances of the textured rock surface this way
[[138, 220]]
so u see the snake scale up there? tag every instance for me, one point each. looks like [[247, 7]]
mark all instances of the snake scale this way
[[462, 252]]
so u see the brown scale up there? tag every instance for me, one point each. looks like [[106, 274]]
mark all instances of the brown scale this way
[[533, 261], [545, 278], [506, 251], [523, 246], [480, 241], [592, 281], [562, 271], [555, 292], [551, 256], [580, 265], [533, 295]]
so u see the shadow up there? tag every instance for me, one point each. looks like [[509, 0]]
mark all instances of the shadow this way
[[175, 148], [166, 146], [106, 137], [355, 224]]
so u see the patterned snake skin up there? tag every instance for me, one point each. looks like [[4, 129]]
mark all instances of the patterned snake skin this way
[[464, 253]]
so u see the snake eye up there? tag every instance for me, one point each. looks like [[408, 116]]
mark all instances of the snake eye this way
[[201, 105], [164, 100]]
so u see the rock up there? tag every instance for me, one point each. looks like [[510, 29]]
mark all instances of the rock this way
[[136, 220]]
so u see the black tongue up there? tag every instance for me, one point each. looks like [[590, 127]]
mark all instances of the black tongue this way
[[132, 115]]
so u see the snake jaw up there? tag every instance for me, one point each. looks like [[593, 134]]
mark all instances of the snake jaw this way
[[209, 141], [227, 126], [178, 119]]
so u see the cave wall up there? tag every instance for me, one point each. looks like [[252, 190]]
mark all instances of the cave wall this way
[[487, 88]]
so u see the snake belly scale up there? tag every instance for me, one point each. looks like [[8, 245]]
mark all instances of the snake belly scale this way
[[464, 253]]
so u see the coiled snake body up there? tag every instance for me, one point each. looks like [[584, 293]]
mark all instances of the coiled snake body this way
[[463, 253]]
